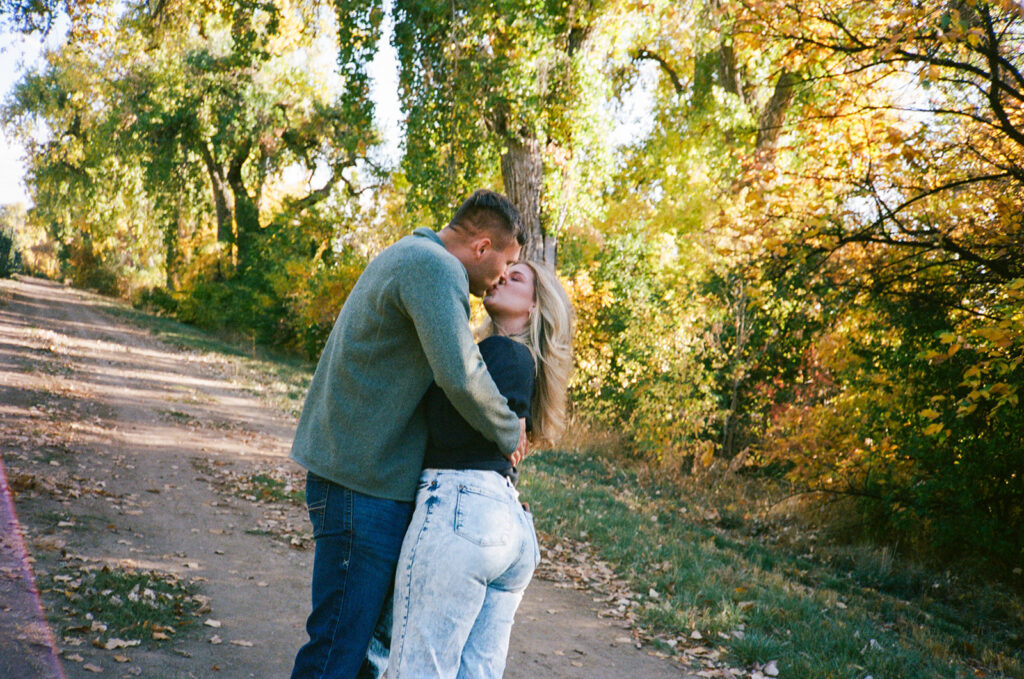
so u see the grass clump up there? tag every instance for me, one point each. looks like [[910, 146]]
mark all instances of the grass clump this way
[[118, 608], [266, 487]]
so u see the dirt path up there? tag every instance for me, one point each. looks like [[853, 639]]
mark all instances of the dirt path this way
[[125, 452]]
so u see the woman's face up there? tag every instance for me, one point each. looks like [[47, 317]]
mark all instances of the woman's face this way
[[510, 301]]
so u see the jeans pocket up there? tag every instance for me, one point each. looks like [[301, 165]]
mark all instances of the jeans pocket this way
[[316, 502], [481, 518]]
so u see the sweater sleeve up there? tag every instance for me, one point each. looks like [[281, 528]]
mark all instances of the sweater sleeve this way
[[436, 299]]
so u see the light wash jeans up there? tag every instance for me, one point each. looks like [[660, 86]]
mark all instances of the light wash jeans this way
[[468, 555]]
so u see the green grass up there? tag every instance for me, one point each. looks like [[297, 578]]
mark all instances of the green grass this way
[[130, 605], [815, 613], [267, 488], [64, 520]]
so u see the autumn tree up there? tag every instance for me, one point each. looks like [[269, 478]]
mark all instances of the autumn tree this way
[[912, 144]]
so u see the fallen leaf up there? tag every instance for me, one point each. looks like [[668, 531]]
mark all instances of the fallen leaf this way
[[241, 642], [120, 643], [160, 636], [74, 657], [122, 658], [92, 668], [210, 622], [49, 543], [771, 669], [215, 639]]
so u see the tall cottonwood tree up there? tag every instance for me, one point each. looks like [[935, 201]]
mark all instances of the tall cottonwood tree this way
[[496, 86]]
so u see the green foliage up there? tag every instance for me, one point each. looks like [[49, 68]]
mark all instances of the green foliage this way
[[10, 259], [634, 350], [940, 425]]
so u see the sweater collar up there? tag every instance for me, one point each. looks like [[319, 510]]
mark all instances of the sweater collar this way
[[427, 232]]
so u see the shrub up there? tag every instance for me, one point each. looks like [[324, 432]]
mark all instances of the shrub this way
[[10, 259]]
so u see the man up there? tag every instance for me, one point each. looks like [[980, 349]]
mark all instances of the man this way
[[362, 432]]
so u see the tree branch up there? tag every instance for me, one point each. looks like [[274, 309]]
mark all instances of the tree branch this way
[[646, 54]]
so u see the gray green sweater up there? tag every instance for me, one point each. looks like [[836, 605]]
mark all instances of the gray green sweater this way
[[404, 325]]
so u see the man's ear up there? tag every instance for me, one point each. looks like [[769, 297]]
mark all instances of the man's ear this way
[[481, 245]]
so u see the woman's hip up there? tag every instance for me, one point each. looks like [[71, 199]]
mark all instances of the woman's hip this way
[[473, 515]]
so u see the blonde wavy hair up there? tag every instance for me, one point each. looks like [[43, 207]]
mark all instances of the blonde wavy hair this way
[[548, 336]]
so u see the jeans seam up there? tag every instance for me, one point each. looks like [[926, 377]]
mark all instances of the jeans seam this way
[[407, 595], [348, 500]]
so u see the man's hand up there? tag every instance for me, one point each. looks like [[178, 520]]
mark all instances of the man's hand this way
[[523, 449]]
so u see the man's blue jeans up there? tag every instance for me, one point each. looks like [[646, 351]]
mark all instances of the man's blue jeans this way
[[358, 540]]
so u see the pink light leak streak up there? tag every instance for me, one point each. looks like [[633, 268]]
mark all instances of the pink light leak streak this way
[[12, 530]]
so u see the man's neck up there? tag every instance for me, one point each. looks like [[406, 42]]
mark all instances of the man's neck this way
[[449, 238]]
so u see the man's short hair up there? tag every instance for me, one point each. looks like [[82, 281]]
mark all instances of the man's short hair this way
[[492, 212]]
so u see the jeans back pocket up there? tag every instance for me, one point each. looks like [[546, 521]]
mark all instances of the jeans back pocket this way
[[482, 518]]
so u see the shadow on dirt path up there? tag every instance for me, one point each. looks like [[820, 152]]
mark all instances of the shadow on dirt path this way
[[130, 455]]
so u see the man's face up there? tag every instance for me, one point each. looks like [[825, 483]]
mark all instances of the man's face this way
[[489, 264]]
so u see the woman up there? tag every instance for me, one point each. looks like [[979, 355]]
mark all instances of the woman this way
[[471, 549]]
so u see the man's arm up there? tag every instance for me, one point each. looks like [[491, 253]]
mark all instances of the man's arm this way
[[438, 304]]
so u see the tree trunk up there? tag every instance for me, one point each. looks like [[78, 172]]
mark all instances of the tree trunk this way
[[774, 113], [728, 74], [221, 196], [172, 252], [247, 219], [522, 172], [739, 371]]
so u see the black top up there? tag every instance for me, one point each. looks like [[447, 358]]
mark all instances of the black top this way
[[452, 443]]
